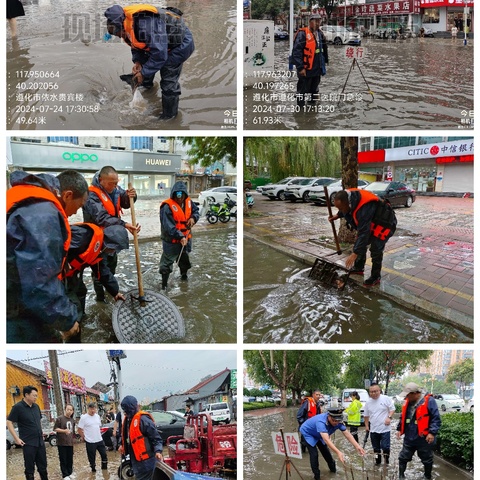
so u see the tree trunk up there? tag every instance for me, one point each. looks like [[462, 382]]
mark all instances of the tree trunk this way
[[349, 155]]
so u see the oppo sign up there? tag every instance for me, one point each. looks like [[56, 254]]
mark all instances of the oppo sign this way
[[79, 157]]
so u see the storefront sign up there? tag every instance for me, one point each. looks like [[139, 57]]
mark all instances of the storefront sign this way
[[291, 446], [444, 3], [59, 157], [69, 381], [233, 379], [383, 8], [159, 162], [435, 150]]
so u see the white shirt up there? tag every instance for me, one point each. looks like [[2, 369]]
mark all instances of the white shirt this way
[[90, 424], [377, 411]]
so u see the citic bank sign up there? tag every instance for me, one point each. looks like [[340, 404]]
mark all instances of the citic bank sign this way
[[435, 150], [79, 157]]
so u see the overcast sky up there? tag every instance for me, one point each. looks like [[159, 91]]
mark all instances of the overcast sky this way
[[146, 374]]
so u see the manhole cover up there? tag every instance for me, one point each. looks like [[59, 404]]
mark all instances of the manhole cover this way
[[159, 321]]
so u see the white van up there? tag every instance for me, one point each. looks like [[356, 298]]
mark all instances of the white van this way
[[219, 412], [346, 399]]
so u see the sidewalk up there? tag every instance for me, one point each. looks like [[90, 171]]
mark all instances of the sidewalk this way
[[428, 263]]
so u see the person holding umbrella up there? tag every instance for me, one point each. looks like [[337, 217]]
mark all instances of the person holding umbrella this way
[[178, 215]]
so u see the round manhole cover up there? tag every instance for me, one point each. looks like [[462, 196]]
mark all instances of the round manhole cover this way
[[159, 321]]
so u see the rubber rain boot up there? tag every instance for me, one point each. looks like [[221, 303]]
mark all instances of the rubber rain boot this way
[[104, 464], [170, 107], [165, 280]]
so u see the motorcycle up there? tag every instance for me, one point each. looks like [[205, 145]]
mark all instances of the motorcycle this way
[[222, 212]]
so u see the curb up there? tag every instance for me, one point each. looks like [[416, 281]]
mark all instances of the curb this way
[[393, 294]]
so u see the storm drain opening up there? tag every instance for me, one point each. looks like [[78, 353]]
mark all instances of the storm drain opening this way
[[329, 273]]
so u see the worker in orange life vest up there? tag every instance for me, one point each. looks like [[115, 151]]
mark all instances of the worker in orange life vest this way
[[106, 200], [178, 215], [160, 42], [420, 423], [140, 439], [366, 213], [38, 238], [310, 57], [89, 246]]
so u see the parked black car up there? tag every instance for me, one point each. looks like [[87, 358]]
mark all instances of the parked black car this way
[[396, 193], [167, 425]]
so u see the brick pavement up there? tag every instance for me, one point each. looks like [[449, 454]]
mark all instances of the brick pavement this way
[[428, 263]]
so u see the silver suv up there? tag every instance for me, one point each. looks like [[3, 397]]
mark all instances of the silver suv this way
[[340, 35]]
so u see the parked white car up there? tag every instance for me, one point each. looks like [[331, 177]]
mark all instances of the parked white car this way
[[317, 194], [449, 402], [469, 406], [301, 190], [340, 35], [218, 193], [277, 190]]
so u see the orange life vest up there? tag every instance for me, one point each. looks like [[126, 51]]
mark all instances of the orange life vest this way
[[309, 49], [139, 446], [180, 216], [421, 417], [378, 231], [113, 210], [91, 255], [312, 407], [21, 193], [130, 11]]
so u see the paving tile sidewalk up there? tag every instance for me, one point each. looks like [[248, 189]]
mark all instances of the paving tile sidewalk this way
[[428, 263]]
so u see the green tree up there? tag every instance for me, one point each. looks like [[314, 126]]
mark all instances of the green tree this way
[[281, 157], [269, 9], [428, 383], [246, 391], [380, 365], [208, 150], [295, 370], [274, 367], [255, 392], [461, 373]]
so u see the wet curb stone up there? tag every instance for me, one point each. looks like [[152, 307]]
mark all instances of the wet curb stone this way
[[428, 263]]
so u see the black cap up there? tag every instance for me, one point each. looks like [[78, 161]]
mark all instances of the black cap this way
[[336, 413]]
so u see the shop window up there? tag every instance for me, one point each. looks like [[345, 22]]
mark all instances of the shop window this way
[[365, 143], [431, 15], [452, 139], [73, 140], [404, 141], [142, 143], [427, 140], [382, 142]]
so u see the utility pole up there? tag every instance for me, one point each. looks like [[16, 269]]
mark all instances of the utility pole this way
[[115, 356], [57, 389]]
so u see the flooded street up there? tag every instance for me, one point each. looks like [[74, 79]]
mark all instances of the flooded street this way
[[261, 463], [417, 83], [81, 467], [207, 301], [283, 305], [61, 74]]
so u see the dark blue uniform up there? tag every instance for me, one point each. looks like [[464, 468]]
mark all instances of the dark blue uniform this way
[[37, 304]]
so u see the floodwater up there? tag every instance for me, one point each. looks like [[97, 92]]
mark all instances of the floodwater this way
[[61, 59], [283, 305], [81, 467], [259, 461], [417, 83], [207, 301]]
